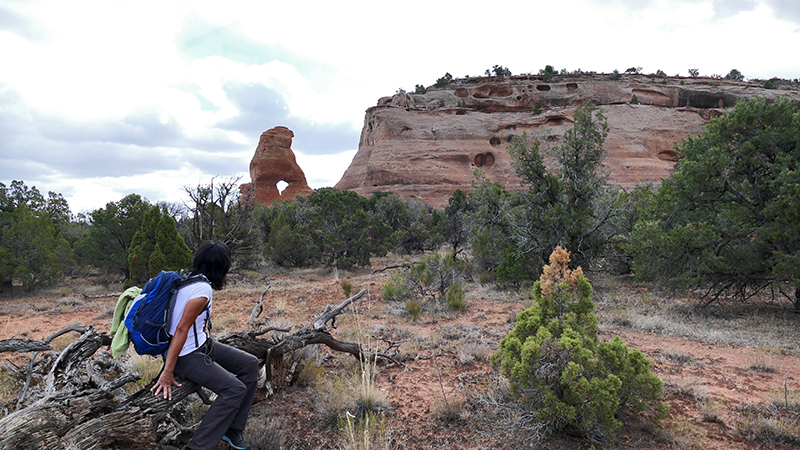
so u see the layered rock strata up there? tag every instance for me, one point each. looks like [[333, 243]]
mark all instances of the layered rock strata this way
[[273, 162], [428, 145]]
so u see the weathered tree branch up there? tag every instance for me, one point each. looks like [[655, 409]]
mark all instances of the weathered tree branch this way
[[320, 324], [80, 409]]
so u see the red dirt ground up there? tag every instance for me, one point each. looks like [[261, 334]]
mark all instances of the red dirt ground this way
[[709, 374]]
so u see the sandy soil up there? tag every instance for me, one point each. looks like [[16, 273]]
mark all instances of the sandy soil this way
[[445, 357]]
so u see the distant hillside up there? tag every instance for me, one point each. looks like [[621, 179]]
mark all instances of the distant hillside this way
[[428, 145]]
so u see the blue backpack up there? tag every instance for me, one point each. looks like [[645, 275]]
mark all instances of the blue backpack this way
[[149, 318]]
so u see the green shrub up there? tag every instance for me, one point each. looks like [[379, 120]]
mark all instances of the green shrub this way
[[347, 287], [414, 309], [559, 370], [444, 81], [455, 297], [390, 291]]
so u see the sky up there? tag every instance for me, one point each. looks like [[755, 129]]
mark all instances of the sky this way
[[101, 99]]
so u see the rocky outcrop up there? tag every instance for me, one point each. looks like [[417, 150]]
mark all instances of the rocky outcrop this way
[[272, 163], [428, 145]]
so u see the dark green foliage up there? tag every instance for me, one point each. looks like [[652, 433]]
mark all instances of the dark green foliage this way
[[728, 220], [512, 235], [415, 226], [110, 233], [614, 75], [420, 89], [558, 369], [454, 228], [547, 73], [444, 81], [290, 241], [430, 279], [488, 224], [734, 75], [33, 247], [156, 246], [332, 227], [661, 74], [498, 71]]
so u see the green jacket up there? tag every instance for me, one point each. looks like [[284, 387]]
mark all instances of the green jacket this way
[[120, 341]]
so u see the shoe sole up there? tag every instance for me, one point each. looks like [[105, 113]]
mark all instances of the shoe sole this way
[[228, 441]]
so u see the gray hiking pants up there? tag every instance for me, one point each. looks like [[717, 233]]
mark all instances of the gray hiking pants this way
[[231, 374]]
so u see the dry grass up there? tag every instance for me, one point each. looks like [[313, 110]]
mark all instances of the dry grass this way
[[448, 409], [775, 423], [265, 435], [712, 410], [146, 366], [759, 322], [370, 432]]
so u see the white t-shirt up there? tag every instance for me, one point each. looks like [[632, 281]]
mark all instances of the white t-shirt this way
[[187, 293]]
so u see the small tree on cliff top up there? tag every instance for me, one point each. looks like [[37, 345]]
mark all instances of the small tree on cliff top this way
[[558, 369]]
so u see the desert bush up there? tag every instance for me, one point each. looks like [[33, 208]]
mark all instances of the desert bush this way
[[414, 309], [347, 287], [448, 409], [774, 423], [264, 435], [455, 297], [429, 279], [557, 367]]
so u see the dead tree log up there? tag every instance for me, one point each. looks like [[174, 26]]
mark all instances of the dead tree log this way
[[79, 409]]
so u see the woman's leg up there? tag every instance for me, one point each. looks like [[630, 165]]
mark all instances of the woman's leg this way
[[245, 367], [231, 393]]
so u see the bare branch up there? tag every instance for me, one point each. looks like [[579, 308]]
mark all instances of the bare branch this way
[[330, 314]]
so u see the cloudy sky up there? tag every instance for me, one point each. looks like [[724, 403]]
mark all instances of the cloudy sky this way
[[100, 99]]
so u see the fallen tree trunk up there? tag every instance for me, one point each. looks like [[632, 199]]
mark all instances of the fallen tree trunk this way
[[78, 409]]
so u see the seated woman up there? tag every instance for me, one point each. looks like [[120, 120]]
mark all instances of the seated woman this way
[[229, 372]]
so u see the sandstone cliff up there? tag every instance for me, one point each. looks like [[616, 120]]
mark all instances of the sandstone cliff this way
[[274, 161], [428, 145]]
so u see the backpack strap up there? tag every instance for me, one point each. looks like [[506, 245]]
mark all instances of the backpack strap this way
[[182, 282]]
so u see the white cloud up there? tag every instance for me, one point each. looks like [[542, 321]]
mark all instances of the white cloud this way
[[92, 88]]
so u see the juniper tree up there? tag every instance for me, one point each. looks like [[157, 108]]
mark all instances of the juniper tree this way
[[728, 220], [157, 246]]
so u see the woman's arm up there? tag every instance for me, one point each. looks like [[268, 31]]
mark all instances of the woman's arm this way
[[167, 379]]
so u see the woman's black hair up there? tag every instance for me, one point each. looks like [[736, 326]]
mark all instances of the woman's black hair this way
[[212, 259]]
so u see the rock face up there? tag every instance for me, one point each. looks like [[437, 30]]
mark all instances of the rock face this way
[[273, 162], [428, 145]]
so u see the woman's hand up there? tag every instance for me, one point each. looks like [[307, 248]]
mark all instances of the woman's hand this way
[[167, 378], [164, 385]]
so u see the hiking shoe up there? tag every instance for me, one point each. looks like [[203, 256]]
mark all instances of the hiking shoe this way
[[235, 439]]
